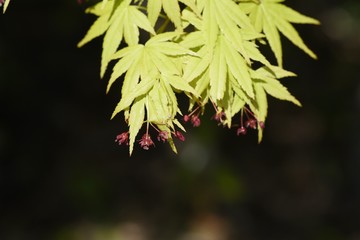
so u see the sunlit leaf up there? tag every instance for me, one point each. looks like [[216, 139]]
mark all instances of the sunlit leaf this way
[[125, 22], [218, 72], [112, 38], [125, 63], [6, 4], [209, 52], [140, 89], [210, 26], [154, 9], [238, 68], [172, 10], [196, 66], [237, 104], [158, 106], [136, 120], [261, 106], [180, 84], [272, 16], [100, 25], [273, 87]]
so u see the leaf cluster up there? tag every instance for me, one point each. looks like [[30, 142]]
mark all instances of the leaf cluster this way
[[207, 50]]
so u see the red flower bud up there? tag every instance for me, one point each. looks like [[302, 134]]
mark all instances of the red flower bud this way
[[179, 135], [123, 138], [241, 130]]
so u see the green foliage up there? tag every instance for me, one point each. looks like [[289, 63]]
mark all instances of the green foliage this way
[[205, 49]]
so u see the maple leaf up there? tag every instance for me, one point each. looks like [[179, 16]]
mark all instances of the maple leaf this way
[[120, 23], [227, 47], [272, 17], [209, 56], [151, 74]]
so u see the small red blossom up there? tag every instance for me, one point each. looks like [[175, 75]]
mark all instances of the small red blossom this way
[[262, 124], [241, 130], [186, 118], [193, 117], [220, 116], [179, 135], [163, 136], [145, 142], [195, 120], [252, 123], [123, 138]]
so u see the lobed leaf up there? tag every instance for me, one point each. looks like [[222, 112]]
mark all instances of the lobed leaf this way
[[273, 37], [180, 84], [289, 31], [277, 90], [100, 25], [295, 17], [270, 16], [213, 60], [238, 68], [112, 38], [140, 89], [196, 66], [272, 86], [123, 65]]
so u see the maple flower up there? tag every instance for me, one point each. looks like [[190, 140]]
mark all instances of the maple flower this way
[[186, 118], [241, 130], [251, 123], [179, 135], [220, 116], [195, 120], [145, 141], [163, 136], [123, 138], [193, 117]]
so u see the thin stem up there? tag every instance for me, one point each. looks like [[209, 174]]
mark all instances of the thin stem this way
[[163, 26], [213, 104], [193, 111], [241, 117], [158, 130], [147, 114]]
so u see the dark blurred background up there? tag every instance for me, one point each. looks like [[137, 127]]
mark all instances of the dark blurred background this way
[[62, 177]]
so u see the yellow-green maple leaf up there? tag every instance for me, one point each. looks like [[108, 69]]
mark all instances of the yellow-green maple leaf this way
[[150, 71], [225, 50], [170, 7], [272, 17]]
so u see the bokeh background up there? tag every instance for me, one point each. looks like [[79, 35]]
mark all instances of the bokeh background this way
[[62, 177]]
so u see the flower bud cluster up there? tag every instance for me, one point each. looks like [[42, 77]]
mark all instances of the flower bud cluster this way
[[146, 141], [252, 122]]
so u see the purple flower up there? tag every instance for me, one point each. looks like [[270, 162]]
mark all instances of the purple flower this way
[[163, 136], [179, 135], [145, 142], [122, 138]]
